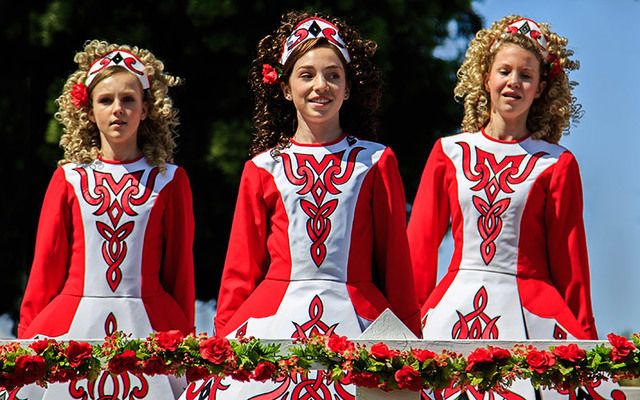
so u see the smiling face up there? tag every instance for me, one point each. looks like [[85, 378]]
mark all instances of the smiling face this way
[[117, 109], [513, 83], [318, 86]]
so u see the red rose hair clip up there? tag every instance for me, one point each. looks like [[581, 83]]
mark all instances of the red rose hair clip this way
[[79, 95], [270, 74]]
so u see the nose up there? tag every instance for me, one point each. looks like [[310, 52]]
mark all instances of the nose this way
[[118, 106], [320, 84], [514, 80]]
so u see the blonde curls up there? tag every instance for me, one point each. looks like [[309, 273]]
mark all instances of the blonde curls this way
[[156, 135], [551, 114]]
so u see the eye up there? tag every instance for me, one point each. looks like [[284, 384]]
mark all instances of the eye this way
[[105, 100], [128, 99]]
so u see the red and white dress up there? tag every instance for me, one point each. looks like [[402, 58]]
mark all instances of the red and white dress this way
[[114, 251], [318, 245], [519, 268]]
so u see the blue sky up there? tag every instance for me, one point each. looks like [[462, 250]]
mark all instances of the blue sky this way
[[605, 36]]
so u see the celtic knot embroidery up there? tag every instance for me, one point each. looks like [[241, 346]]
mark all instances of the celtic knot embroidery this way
[[493, 178], [319, 178], [115, 198], [109, 387], [315, 324], [476, 324]]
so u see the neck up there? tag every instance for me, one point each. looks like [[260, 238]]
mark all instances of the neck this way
[[317, 133], [119, 153], [502, 129]]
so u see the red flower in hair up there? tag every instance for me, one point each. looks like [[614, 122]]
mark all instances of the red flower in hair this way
[[535, 34], [554, 67], [512, 29], [79, 95], [270, 75]]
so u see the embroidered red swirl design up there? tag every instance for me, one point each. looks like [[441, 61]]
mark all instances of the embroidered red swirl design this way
[[494, 177], [476, 324], [472, 394], [115, 198], [109, 387], [315, 325], [110, 324], [207, 390], [319, 178]]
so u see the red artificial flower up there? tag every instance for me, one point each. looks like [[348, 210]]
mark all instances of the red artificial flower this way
[[79, 95], [535, 34], [540, 361], [125, 362], [58, 374], [554, 69], [241, 375], [169, 340], [381, 351], [570, 352], [196, 373], [340, 344], [216, 350], [29, 369], [77, 352], [478, 356], [621, 347], [154, 366], [264, 371], [423, 355], [41, 345], [363, 379], [499, 354], [408, 378], [269, 74]]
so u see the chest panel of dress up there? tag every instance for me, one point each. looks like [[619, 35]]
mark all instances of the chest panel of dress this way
[[115, 202], [320, 187], [494, 180]]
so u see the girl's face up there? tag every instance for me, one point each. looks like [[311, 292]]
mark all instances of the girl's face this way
[[117, 110], [318, 87], [513, 82]]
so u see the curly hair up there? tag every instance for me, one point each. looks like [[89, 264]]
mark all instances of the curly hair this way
[[550, 114], [274, 117], [156, 135]]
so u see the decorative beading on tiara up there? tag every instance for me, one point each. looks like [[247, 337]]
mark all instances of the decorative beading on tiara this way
[[312, 28], [120, 58]]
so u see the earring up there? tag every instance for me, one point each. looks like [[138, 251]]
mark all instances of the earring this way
[[287, 96], [346, 94]]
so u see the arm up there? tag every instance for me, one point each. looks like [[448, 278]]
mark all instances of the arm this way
[[391, 249], [247, 257], [177, 261], [429, 221], [566, 241], [52, 251]]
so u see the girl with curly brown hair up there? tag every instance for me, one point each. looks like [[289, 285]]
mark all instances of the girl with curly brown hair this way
[[318, 242], [114, 243], [513, 197]]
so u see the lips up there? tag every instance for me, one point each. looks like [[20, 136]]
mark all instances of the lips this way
[[512, 95], [117, 122], [320, 100]]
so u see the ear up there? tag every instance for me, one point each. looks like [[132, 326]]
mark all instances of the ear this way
[[91, 116], [486, 82], [145, 110], [286, 91], [347, 91], [541, 86]]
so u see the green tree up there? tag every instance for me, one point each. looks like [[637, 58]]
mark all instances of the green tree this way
[[210, 43]]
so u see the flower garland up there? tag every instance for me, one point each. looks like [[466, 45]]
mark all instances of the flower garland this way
[[560, 367]]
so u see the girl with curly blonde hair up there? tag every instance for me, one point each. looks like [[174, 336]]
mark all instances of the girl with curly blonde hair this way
[[513, 199], [318, 243], [114, 244]]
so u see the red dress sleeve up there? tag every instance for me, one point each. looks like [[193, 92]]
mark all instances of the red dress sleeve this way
[[391, 249], [177, 271], [52, 251], [430, 215], [566, 241], [247, 256]]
